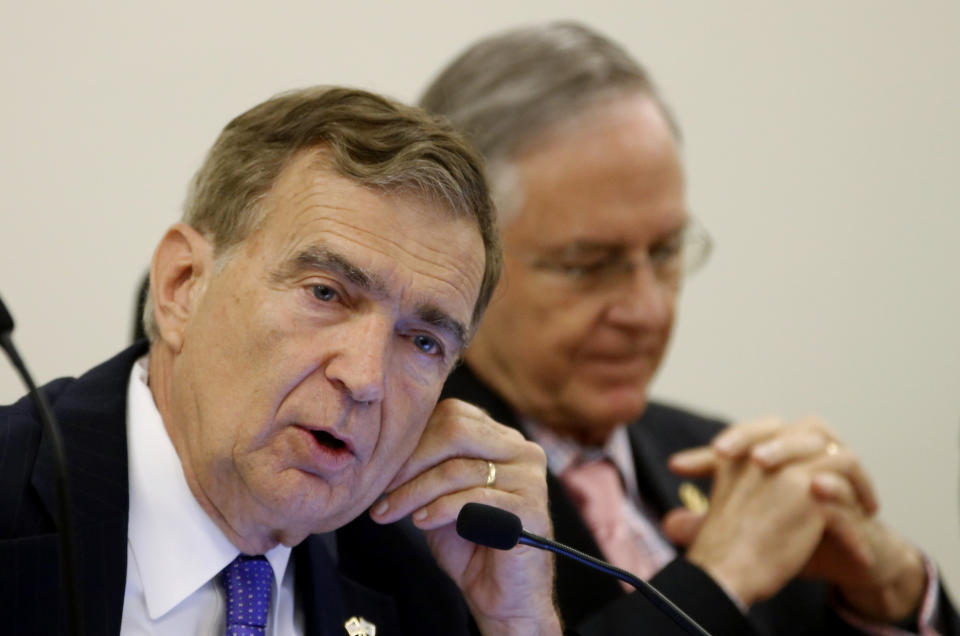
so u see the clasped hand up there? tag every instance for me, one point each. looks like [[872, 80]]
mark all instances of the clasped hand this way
[[790, 500]]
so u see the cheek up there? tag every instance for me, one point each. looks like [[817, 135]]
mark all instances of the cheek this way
[[547, 334], [404, 418]]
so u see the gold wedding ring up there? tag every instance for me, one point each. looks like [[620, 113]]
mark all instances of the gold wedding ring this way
[[832, 448], [491, 474]]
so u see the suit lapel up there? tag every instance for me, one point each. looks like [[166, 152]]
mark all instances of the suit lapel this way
[[659, 433], [658, 486], [329, 598]]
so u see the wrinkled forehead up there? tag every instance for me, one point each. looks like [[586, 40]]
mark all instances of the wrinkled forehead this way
[[309, 164], [394, 235], [618, 140]]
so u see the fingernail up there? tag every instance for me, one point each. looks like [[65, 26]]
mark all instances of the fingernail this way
[[420, 515], [765, 453], [727, 444], [381, 507]]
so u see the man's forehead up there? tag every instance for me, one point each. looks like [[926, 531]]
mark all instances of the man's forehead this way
[[591, 233], [312, 212]]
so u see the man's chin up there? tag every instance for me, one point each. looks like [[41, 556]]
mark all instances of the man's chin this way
[[604, 409]]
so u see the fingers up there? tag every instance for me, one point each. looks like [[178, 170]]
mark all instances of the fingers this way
[[444, 510], [847, 527], [681, 526], [845, 463], [794, 444], [773, 443], [450, 477], [452, 466], [736, 440], [694, 462], [833, 488], [458, 429]]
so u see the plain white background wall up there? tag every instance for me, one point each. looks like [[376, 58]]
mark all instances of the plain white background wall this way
[[822, 145]]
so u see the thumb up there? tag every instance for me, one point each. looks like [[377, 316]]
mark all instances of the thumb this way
[[681, 526]]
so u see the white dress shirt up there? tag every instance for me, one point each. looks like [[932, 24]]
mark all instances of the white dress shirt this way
[[175, 552]]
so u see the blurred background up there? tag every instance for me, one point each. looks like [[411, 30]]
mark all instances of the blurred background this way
[[822, 141]]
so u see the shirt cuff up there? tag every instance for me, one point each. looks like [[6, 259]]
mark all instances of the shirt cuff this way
[[924, 623]]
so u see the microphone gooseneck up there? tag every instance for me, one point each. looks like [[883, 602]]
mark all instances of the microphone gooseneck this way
[[497, 528], [68, 569], [6, 320]]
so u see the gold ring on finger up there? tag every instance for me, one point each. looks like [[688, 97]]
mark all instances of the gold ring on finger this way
[[491, 474]]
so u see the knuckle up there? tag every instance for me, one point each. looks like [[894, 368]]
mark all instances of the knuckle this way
[[485, 496], [512, 434], [536, 453], [450, 469], [796, 476]]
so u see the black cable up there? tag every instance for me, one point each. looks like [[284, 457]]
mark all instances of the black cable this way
[[68, 569]]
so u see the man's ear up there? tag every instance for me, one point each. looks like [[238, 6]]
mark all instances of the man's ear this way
[[181, 268]]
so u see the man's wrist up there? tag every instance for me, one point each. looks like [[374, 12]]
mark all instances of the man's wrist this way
[[548, 625], [896, 596], [729, 575]]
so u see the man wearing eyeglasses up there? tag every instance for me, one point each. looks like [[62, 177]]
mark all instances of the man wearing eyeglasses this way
[[584, 162]]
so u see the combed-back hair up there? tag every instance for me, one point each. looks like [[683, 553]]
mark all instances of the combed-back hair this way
[[506, 90], [374, 141]]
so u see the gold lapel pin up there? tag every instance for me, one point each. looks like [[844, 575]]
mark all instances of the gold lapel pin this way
[[693, 499], [359, 626]]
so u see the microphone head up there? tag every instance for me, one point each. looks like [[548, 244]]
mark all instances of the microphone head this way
[[6, 320], [489, 526]]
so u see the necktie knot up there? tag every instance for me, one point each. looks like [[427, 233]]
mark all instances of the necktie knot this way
[[624, 536], [596, 489], [248, 584]]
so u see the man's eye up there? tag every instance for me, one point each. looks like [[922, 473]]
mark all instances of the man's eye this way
[[666, 252], [324, 293], [427, 345], [585, 268]]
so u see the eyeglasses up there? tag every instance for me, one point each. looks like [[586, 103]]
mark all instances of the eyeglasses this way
[[592, 265]]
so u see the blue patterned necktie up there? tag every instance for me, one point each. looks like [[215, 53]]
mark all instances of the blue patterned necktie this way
[[248, 582]]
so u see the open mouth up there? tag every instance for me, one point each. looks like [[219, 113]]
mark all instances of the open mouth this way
[[327, 440]]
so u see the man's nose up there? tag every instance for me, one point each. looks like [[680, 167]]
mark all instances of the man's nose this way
[[642, 301], [359, 364]]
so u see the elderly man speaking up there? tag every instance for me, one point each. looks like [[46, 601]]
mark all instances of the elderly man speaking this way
[[586, 170], [335, 255]]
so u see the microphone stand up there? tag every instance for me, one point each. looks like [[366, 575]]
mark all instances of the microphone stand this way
[[651, 593], [68, 569]]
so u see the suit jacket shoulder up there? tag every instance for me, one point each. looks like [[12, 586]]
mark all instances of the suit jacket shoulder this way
[[91, 410]]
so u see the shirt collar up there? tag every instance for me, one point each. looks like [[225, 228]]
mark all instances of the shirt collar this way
[[563, 452], [177, 546]]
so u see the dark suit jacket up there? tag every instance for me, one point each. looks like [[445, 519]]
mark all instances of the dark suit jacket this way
[[594, 603], [384, 574]]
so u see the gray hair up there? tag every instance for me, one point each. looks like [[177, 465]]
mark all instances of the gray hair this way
[[373, 141], [508, 89]]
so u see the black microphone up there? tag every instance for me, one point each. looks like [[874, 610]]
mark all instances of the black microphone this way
[[497, 528], [68, 569]]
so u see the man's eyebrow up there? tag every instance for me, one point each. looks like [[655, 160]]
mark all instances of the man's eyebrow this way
[[326, 260], [582, 248], [319, 258], [589, 247], [440, 319]]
